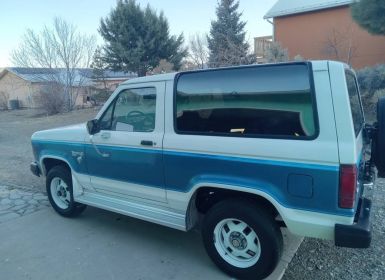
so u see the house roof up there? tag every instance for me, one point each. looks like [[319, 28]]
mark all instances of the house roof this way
[[290, 7], [109, 74], [33, 75], [83, 76]]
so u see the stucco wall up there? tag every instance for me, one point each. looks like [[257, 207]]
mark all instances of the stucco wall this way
[[319, 35], [26, 92], [17, 88]]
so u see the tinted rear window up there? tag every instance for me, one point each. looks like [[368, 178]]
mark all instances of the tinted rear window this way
[[251, 101], [355, 102]]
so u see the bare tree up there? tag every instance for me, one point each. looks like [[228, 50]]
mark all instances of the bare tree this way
[[198, 50], [60, 46], [276, 53], [339, 44], [188, 65], [163, 67]]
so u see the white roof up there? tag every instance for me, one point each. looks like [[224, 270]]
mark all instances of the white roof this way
[[290, 7], [153, 78], [319, 64]]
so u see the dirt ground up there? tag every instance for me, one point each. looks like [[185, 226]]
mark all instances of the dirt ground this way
[[16, 128]]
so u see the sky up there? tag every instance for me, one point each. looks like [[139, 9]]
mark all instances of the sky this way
[[189, 17]]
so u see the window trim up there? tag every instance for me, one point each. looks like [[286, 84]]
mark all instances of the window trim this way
[[113, 103], [263, 136], [351, 73]]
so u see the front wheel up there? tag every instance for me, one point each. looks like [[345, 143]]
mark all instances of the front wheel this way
[[242, 239], [60, 194]]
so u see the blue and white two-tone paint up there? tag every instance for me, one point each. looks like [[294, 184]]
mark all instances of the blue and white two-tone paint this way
[[300, 178]]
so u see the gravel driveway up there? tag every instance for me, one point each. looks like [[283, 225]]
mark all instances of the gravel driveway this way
[[315, 259]]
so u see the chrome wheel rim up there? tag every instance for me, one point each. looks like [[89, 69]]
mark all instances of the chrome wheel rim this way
[[60, 193], [237, 243]]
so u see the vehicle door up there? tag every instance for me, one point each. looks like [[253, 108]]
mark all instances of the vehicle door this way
[[125, 157]]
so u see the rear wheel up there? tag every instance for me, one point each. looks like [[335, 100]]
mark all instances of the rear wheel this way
[[60, 194], [379, 149], [242, 239]]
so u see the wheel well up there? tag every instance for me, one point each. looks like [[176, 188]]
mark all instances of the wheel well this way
[[51, 162], [207, 197]]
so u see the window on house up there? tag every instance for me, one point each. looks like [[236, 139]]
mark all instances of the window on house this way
[[265, 101]]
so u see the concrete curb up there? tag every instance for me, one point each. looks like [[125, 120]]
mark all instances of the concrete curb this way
[[291, 245]]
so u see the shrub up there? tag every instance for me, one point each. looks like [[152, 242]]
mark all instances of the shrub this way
[[276, 53], [51, 98], [371, 79], [372, 86], [298, 57]]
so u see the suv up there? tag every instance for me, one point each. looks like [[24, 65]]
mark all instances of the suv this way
[[239, 151]]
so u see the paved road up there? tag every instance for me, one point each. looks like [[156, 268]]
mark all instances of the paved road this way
[[104, 245]]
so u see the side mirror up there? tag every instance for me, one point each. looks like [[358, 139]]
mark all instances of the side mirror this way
[[93, 127]]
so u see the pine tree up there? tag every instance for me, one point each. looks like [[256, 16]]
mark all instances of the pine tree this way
[[99, 67], [226, 42], [370, 15], [137, 39]]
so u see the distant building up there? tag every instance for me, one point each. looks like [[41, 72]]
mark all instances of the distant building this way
[[261, 44], [109, 79], [24, 84], [324, 29]]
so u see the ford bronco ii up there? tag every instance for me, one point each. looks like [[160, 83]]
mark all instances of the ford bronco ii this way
[[239, 151]]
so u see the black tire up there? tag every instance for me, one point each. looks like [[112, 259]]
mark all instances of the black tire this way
[[379, 153], [268, 234], [73, 208]]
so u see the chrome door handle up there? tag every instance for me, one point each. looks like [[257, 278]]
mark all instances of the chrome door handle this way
[[105, 155], [146, 143]]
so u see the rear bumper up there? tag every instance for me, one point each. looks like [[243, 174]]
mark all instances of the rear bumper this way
[[359, 234], [34, 167]]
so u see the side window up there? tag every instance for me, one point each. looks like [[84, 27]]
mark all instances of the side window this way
[[355, 102], [268, 101], [133, 110]]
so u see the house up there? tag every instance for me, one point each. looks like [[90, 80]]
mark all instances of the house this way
[[324, 29], [107, 79], [261, 44], [24, 84]]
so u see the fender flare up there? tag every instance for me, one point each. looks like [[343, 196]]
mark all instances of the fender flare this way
[[191, 211], [42, 165]]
